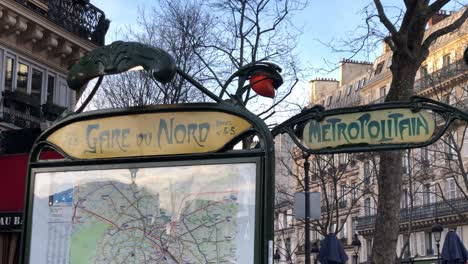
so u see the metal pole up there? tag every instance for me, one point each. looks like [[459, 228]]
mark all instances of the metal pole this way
[[307, 208], [438, 253], [355, 259]]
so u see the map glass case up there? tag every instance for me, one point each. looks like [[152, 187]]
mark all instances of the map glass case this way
[[176, 214]]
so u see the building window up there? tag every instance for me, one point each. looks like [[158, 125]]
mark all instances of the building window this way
[[343, 232], [339, 96], [285, 219], [367, 207], [404, 199], [451, 188], [367, 173], [446, 60], [448, 147], [426, 194], [407, 252], [428, 243], [382, 93], [315, 169], [465, 145], [379, 67], [350, 88], [9, 69], [406, 162], [50, 88], [353, 226], [343, 196], [22, 78], [424, 155], [315, 235], [329, 100], [287, 246], [369, 248], [354, 192], [36, 83]]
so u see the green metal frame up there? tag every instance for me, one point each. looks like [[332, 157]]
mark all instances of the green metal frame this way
[[293, 126], [122, 56], [263, 155]]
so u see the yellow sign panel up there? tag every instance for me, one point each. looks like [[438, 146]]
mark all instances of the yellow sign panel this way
[[149, 134], [389, 126]]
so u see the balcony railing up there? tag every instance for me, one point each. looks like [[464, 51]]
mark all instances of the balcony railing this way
[[433, 210], [77, 16], [19, 119], [441, 75]]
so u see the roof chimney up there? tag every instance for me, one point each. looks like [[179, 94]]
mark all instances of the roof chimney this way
[[437, 17]]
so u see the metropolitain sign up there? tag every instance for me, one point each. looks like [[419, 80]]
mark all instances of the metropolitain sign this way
[[387, 126]]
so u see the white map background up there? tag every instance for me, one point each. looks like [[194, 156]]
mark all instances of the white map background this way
[[185, 214]]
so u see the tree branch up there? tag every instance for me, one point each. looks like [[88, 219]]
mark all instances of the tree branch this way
[[383, 17], [436, 6], [438, 33]]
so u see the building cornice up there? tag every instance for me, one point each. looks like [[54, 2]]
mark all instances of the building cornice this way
[[23, 30]]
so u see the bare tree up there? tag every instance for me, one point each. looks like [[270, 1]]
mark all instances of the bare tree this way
[[342, 189], [174, 26], [405, 34], [247, 32]]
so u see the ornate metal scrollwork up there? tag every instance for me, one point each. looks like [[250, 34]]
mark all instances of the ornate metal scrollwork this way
[[119, 57]]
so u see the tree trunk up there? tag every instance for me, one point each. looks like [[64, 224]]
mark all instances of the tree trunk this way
[[388, 208], [390, 173]]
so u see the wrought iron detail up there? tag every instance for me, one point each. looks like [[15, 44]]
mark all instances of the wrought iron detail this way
[[295, 124], [77, 16], [19, 119], [423, 212], [443, 74], [119, 57]]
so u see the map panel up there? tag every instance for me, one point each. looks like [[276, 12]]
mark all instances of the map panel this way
[[184, 214]]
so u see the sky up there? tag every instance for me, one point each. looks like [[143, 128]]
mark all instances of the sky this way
[[327, 20], [340, 17]]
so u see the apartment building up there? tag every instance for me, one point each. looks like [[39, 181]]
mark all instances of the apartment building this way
[[39, 40], [435, 179]]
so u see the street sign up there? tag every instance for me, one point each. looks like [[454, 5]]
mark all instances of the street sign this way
[[314, 205], [156, 183], [148, 134], [143, 184], [386, 126]]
